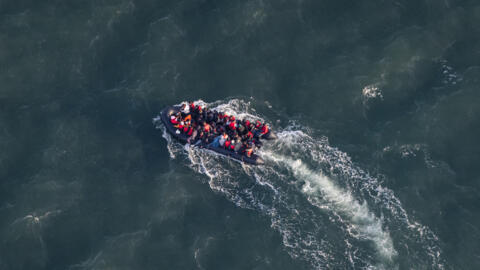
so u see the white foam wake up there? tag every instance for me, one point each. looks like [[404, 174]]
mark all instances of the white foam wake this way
[[323, 193]]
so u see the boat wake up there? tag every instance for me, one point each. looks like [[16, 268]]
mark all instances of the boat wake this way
[[328, 212]]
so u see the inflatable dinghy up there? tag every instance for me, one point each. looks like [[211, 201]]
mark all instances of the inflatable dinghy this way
[[253, 159]]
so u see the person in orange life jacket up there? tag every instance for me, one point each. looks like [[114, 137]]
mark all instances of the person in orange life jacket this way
[[206, 127]]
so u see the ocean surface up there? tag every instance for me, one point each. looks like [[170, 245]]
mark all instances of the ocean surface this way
[[376, 105]]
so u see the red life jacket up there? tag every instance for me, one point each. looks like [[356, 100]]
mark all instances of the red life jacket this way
[[258, 124], [232, 146], [247, 124], [190, 131], [180, 126], [264, 129], [173, 120], [185, 129], [227, 144], [192, 106], [250, 134], [232, 125]]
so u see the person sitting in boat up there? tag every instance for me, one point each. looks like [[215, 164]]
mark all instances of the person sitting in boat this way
[[238, 146], [185, 110], [241, 128], [191, 105], [174, 120], [227, 144], [218, 139], [199, 138], [249, 135], [192, 136], [206, 127], [190, 131], [231, 123], [186, 128], [214, 116], [179, 126], [249, 151], [187, 118], [208, 138], [232, 145], [264, 129], [246, 123], [223, 139]]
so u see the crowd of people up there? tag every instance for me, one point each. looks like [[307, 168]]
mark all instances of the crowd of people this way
[[218, 129]]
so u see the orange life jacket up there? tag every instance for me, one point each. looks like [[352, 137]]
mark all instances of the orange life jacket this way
[[188, 117], [206, 128]]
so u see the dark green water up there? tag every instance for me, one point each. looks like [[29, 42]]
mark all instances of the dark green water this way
[[376, 104]]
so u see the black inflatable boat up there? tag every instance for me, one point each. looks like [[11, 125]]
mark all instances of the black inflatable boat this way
[[253, 159]]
